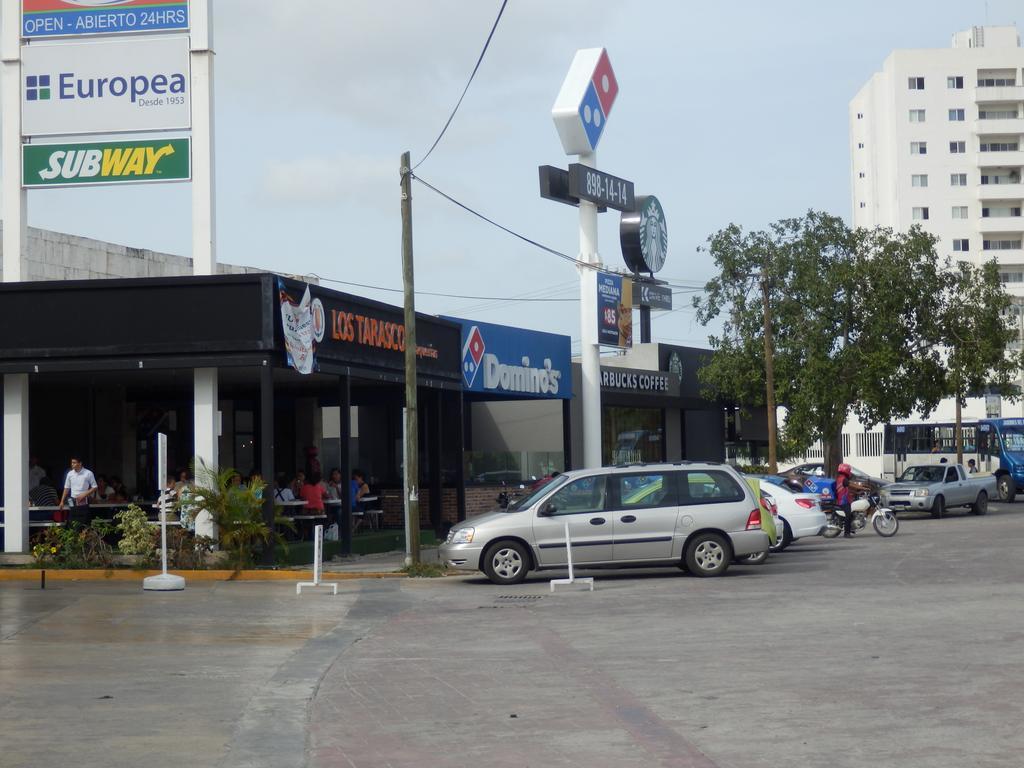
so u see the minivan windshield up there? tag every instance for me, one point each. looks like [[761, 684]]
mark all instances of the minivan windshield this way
[[528, 500]]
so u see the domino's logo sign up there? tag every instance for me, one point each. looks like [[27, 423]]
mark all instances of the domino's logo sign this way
[[585, 101], [472, 355], [597, 103]]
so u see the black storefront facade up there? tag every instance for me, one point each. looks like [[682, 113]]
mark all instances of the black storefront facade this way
[[652, 409], [110, 363]]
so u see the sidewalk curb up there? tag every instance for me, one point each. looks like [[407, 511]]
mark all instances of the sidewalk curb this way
[[99, 574]]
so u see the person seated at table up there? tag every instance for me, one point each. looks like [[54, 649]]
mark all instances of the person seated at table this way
[[182, 481], [314, 493], [334, 485], [118, 491], [297, 483], [43, 495], [103, 489], [282, 490]]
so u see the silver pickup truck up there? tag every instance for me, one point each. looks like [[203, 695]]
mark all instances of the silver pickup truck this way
[[936, 487]]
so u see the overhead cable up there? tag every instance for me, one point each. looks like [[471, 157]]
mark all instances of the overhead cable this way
[[464, 90]]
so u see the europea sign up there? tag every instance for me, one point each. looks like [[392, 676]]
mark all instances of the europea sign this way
[[117, 162], [109, 86], [66, 18]]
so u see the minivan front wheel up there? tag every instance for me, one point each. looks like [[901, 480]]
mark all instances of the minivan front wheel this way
[[708, 554], [506, 563]]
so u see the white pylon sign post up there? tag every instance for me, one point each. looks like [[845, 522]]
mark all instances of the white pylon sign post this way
[[164, 582], [580, 114]]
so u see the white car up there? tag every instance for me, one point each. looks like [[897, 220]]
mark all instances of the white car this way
[[800, 513]]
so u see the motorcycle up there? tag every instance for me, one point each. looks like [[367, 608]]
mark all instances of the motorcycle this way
[[865, 508]]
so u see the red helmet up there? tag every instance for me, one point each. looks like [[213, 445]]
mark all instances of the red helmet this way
[[845, 469]]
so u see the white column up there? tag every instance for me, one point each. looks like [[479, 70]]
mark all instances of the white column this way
[[590, 352], [204, 229], [12, 196], [206, 428], [16, 462], [204, 201]]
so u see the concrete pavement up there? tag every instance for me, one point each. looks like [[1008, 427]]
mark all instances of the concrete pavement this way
[[902, 652]]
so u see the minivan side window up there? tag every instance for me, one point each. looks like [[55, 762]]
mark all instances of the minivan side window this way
[[643, 491], [708, 487], [580, 496]]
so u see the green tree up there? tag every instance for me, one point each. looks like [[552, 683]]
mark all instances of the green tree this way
[[855, 324], [977, 333]]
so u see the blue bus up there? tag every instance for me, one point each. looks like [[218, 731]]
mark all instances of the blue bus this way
[[996, 445]]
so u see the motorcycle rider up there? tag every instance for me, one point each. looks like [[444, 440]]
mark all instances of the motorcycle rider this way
[[843, 474]]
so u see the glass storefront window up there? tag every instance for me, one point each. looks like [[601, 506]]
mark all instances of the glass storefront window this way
[[631, 434]]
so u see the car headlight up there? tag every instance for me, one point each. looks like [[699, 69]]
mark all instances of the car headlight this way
[[461, 536], [921, 492]]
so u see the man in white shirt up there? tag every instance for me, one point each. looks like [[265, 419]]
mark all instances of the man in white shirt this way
[[79, 484]]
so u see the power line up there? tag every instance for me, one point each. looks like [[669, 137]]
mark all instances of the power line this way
[[505, 229], [464, 90], [431, 293]]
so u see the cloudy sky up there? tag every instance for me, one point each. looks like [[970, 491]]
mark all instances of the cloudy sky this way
[[727, 111]]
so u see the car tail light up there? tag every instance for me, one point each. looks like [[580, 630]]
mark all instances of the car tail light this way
[[805, 503], [754, 520]]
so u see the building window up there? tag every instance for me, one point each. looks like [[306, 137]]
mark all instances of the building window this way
[[917, 115], [956, 115], [1011, 277], [919, 180], [869, 444], [1012, 178], [1000, 146], [959, 211], [1000, 245], [861, 174], [956, 81], [915, 83], [996, 82], [961, 245], [958, 179], [957, 147], [997, 114], [919, 214], [863, 205], [1000, 212], [919, 147], [860, 115]]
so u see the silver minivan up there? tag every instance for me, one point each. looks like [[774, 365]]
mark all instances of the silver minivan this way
[[696, 515]]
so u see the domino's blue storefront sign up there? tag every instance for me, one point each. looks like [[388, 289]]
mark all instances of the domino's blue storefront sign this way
[[515, 362]]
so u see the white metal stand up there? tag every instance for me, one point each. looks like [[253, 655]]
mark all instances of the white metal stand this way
[[165, 582], [318, 565], [572, 577]]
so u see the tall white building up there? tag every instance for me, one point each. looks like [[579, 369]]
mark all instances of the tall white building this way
[[936, 139]]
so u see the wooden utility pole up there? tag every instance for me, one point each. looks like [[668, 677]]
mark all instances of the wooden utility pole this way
[[412, 504], [769, 377]]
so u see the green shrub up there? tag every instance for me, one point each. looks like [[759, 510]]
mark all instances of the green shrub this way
[[138, 537]]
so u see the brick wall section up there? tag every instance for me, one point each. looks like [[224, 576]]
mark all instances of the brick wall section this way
[[479, 499]]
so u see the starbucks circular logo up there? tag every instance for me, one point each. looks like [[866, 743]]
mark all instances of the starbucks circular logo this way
[[643, 234], [653, 234]]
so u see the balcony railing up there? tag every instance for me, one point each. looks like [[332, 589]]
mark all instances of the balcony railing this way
[[999, 93]]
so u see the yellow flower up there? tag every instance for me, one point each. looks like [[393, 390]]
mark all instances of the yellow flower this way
[[53, 550]]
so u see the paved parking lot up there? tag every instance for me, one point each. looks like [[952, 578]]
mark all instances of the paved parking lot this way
[[897, 652]]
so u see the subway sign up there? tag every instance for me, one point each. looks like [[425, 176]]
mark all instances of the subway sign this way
[[110, 86], [77, 18], [109, 162]]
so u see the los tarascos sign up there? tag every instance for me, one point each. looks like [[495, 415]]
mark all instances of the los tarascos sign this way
[[64, 18], [108, 86], [501, 360], [323, 325], [113, 162]]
